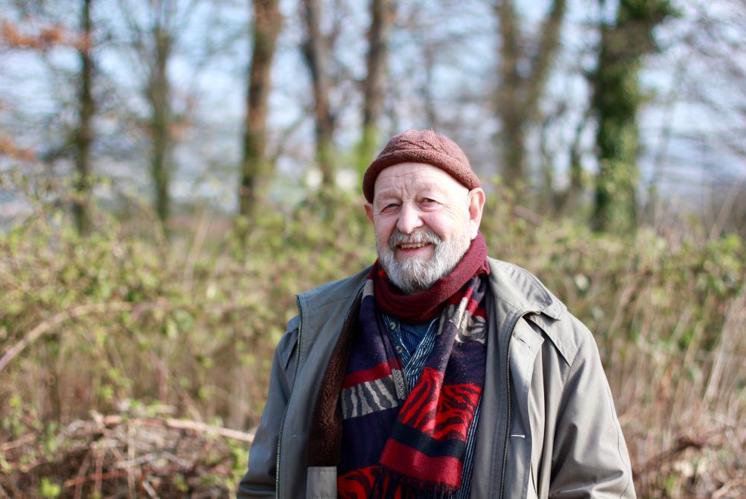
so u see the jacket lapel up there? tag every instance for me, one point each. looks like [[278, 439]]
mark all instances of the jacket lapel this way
[[514, 293]]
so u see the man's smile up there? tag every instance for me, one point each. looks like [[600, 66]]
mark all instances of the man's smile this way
[[407, 246], [414, 250]]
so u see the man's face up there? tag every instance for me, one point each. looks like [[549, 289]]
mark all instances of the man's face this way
[[424, 222]]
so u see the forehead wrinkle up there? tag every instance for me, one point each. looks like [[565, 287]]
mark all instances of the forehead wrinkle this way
[[396, 180], [407, 187]]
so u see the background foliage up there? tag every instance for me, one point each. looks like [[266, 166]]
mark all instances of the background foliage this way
[[122, 322], [172, 172]]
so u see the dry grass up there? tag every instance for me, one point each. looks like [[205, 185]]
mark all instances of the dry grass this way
[[124, 323]]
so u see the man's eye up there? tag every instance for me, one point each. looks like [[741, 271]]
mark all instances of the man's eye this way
[[429, 202], [390, 207]]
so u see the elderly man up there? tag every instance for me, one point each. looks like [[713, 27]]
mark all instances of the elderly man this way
[[437, 372]]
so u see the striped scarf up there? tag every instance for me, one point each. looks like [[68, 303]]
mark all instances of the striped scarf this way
[[408, 445]]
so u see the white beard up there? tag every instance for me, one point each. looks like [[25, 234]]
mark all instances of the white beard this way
[[416, 274]]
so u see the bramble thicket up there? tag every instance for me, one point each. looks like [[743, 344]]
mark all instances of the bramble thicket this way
[[173, 172], [120, 338]]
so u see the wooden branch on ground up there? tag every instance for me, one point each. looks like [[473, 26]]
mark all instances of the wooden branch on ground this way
[[19, 442], [682, 444], [729, 487], [128, 456], [178, 424]]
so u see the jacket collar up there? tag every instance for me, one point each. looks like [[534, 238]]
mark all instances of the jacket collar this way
[[517, 288], [522, 291]]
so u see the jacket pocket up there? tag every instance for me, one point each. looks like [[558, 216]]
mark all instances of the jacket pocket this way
[[321, 482]]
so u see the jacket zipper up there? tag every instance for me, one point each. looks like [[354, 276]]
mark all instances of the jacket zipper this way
[[282, 423], [506, 440], [277, 461]]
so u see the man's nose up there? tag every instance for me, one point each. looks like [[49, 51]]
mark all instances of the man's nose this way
[[409, 219]]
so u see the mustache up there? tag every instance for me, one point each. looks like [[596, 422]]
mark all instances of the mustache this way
[[420, 237]]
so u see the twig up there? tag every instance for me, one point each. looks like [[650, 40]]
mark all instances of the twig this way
[[98, 477], [182, 463], [149, 489], [74, 313], [682, 443], [131, 457], [180, 424], [655, 462], [728, 487], [27, 438], [734, 320], [196, 249], [81, 475], [49, 325]]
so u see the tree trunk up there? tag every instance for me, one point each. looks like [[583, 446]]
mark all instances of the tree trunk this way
[[519, 93], [84, 138], [549, 45], [255, 166], [427, 90], [316, 55], [158, 94], [509, 106], [616, 100], [381, 18]]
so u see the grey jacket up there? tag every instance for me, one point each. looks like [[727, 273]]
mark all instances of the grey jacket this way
[[547, 428]]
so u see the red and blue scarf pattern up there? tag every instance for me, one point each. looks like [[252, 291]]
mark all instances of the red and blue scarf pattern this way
[[399, 444]]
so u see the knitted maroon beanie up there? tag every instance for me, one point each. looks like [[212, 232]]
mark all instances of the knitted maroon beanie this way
[[421, 146]]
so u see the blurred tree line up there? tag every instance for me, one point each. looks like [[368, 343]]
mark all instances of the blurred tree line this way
[[548, 98]]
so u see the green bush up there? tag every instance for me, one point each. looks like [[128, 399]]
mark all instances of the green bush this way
[[125, 321]]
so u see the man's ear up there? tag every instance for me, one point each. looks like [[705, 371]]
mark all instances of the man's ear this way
[[369, 211], [477, 199]]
